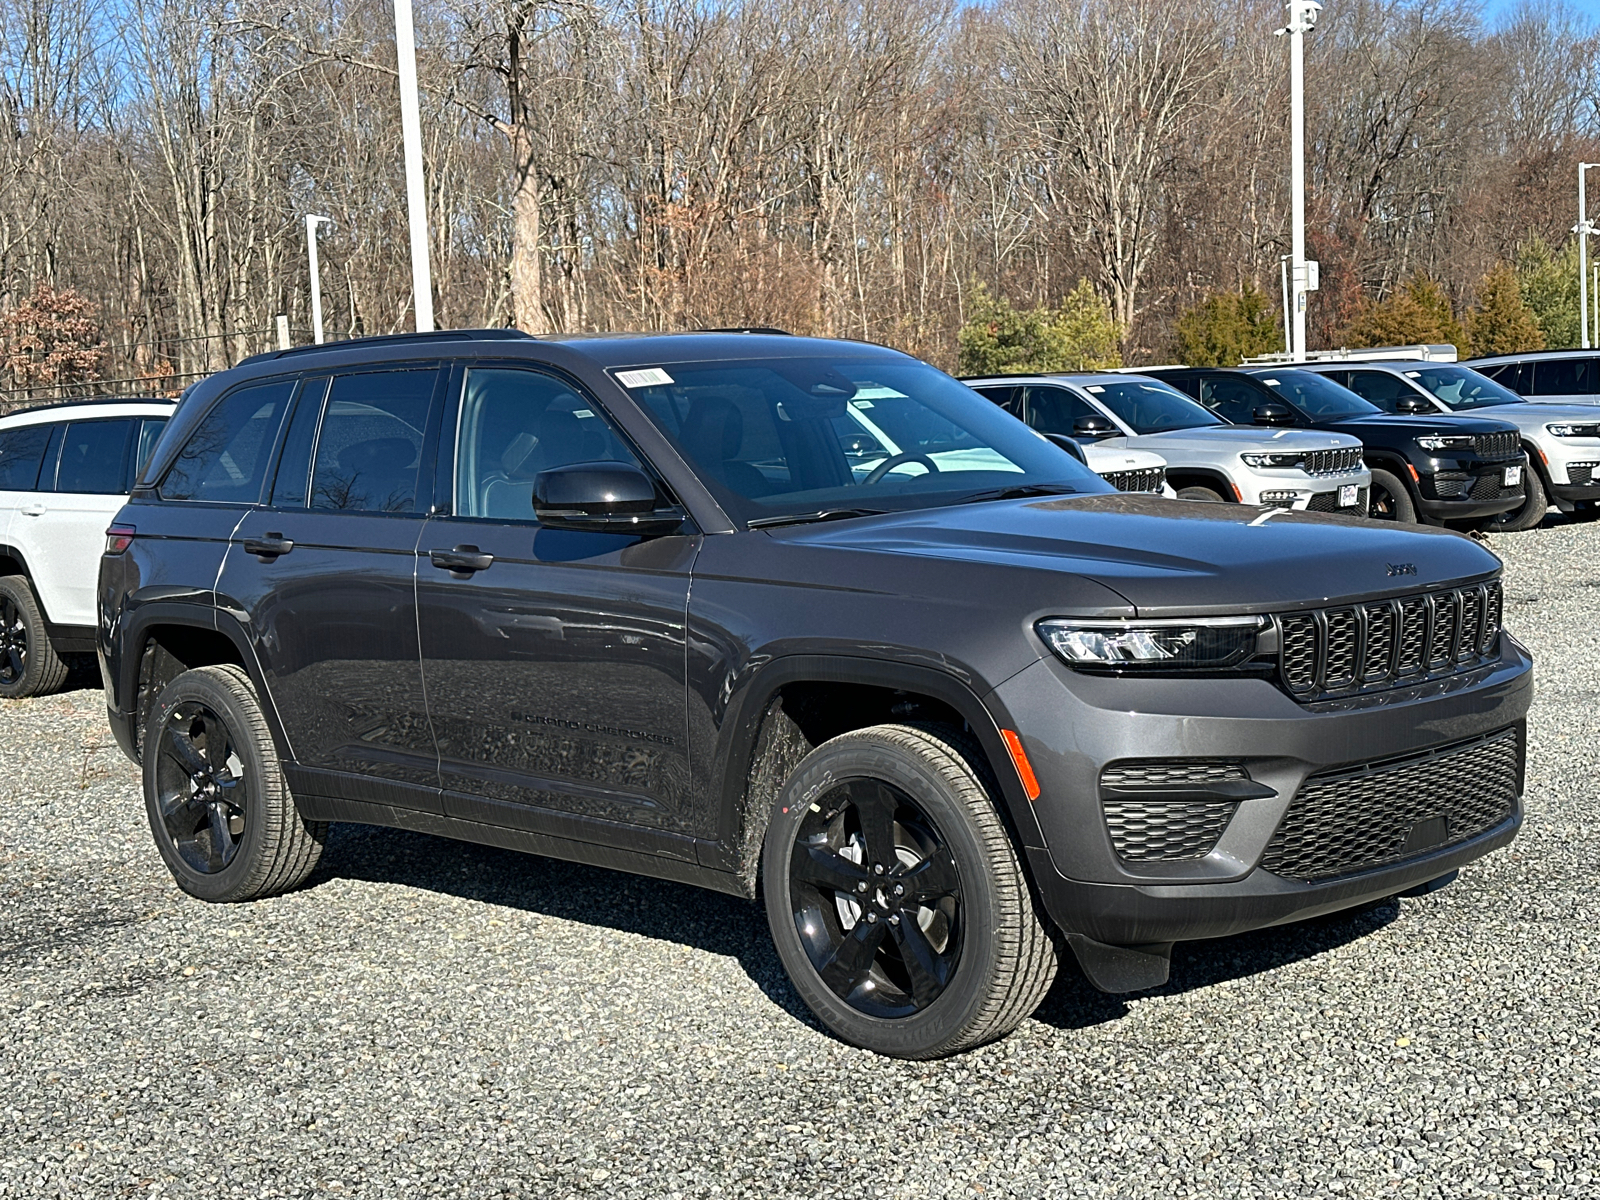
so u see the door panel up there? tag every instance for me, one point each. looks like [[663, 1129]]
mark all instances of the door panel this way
[[89, 487], [555, 675], [327, 592]]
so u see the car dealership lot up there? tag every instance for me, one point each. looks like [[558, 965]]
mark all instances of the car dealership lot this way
[[434, 1018]]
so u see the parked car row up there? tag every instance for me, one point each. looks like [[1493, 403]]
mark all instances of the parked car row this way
[[806, 619]]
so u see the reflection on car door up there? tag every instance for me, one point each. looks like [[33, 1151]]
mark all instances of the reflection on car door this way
[[555, 674], [324, 574]]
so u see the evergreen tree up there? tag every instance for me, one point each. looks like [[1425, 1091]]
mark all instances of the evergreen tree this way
[[1501, 321], [1228, 327], [1549, 284], [1000, 339], [1417, 314]]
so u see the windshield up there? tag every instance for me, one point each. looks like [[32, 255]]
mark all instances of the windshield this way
[[1462, 387], [1145, 406], [1316, 396], [774, 437]]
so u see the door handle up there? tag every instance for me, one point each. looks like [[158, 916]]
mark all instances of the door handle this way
[[462, 561], [268, 548], [34, 509]]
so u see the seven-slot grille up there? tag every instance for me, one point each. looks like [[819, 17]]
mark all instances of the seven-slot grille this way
[[1146, 479], [1333, 462], [1386, 643], [1357, 818], [1164, 829], [1496, 445]]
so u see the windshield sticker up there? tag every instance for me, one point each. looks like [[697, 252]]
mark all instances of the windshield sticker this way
[[1271, 382], [861, 404], [648, 377], [1095, 388], [1413, 374], [580, 413]]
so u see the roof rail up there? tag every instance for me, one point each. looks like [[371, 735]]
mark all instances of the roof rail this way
[[397, 339], [1442, 352], [25, 407]]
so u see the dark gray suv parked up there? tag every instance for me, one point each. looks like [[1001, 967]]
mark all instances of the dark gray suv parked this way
[[656, 603]]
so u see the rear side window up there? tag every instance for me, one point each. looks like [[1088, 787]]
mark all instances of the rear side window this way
[[149, 434], [94, 457], [1055, 410], [226, 457], [369, 449], [1563, 377], [21, 456], [1380, 388]]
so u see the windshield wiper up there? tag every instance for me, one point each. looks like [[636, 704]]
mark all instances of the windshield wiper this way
[[823, 514], [1022, 492]]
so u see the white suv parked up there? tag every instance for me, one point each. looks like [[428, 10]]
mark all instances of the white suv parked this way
[[65, 470], [1207, 459]]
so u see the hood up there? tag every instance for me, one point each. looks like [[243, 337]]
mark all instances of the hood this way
[[1167, 557], [1537, 416], [1242, 437], [1420, 424], [1120, 458]]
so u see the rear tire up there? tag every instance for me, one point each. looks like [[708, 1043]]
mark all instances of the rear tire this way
[[1203, 494], [1388, 500], [219, 809], [1528, 516], [895, 896], [29, 665]]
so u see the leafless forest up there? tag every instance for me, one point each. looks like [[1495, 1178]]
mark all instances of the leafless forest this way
[[850, 167]]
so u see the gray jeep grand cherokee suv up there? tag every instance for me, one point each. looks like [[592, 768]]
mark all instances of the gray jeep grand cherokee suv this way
[[645, 602]]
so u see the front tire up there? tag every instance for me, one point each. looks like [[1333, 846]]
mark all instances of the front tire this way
[[895, 896], [1388, 500], [1203, 494], [1528, 516], [219, 809], [29, 665]]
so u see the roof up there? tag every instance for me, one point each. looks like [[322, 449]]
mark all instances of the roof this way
[[1532, 356], [67, 407]]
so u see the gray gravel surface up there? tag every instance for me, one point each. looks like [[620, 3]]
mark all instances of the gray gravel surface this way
[[434, 1019]]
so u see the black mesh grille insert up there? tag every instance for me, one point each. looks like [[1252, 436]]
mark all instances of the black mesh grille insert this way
[[1164, 830], [1355, 819], [1329, 502], [1170, 772], [1378, 645], [1487, 487], [1580, 474]]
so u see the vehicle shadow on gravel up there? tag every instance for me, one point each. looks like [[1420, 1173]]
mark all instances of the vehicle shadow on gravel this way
[[735, 928], [1073, 1002], [652, 908]]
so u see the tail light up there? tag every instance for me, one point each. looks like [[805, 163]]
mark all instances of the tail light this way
[[119, 538]]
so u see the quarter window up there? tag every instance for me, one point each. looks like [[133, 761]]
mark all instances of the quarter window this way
[[21, 456], [369, 450], [225, 459], [515, 424], [94, 457], [1563, 377]]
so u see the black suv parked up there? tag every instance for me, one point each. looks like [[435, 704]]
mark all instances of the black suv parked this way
[[1441, 468], [642, 602]]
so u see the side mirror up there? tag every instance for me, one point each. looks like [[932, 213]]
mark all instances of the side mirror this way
[[1069, 445], [1412, 403], [1091, 425], [1273, 414], [602, 497]]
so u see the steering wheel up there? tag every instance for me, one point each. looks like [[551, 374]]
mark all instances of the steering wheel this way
[[899, 460]]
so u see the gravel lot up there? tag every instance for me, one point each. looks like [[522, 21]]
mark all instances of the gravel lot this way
[[437, 1019]]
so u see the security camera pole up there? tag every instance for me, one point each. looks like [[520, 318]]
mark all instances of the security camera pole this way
[[1583, 229], [1302, 19], [405, 45], [312, 222]]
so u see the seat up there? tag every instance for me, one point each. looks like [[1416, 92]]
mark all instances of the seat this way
[[713, 432]]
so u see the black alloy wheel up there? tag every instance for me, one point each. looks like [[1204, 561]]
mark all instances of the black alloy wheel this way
[[876, 898], [1388, 500], [202, 793], [13, 643]]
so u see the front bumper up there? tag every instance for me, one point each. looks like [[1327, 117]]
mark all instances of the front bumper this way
[[1463, 492], [1303, 493], [1074, 725]]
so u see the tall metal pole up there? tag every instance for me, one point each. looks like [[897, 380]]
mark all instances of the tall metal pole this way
[[1582, 230], [1288, 319], [312, 223], [405, 44], [1302, 19]]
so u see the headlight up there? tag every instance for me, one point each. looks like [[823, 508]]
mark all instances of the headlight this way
[[1567, 429], [1193, 643], [1276, 461], [1441, 442]]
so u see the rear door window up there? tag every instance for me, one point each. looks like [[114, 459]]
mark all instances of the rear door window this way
[[1231, 399], [369, 449], [21, 456], [1055, 410], [1563, 377], [94, 457], [226, 457]]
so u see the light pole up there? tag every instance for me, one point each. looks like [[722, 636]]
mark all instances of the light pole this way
[[312, 222], [405, 44], [1583, 229], [1302, 19]]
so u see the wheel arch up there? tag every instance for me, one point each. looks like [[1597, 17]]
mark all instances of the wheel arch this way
[[14, 562], [1396, 465], [795, 703], [1206, 477]]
